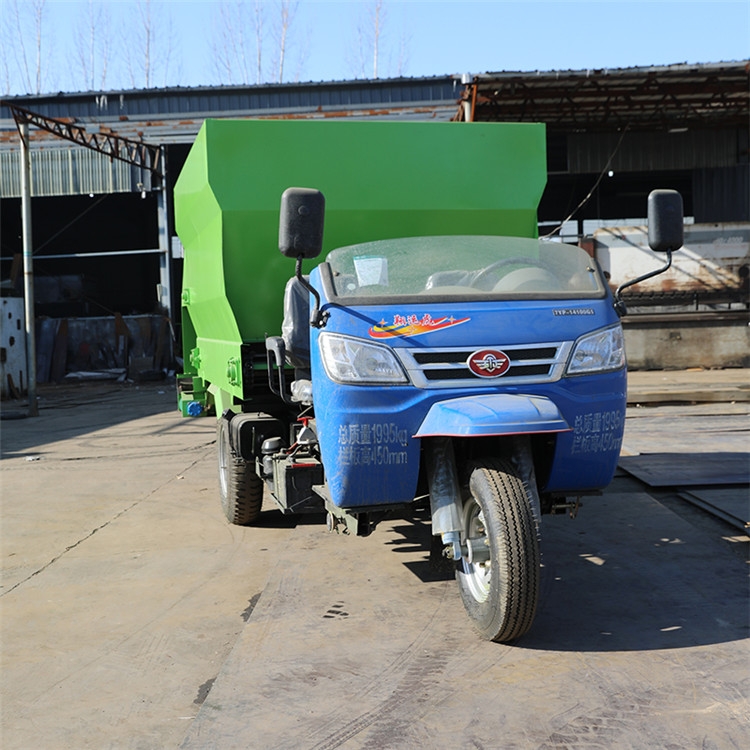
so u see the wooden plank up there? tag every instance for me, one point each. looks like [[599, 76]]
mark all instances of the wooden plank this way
[[144, 325], [60, 353], [14, 392], [45, 345], [16, 269], [122, 337], [162, 350]]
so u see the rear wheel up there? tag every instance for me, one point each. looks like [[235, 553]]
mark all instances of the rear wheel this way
[[240, 488], [498, 577]]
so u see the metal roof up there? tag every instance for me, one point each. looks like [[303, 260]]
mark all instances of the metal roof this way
[[174, 115], [706, 95], [644, 98], [672, 98], [142, 103]]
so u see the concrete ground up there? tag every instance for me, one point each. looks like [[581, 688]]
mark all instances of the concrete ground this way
[[134, 616], [689, 386]]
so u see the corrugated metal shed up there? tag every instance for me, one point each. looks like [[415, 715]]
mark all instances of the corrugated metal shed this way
[[164, 116], [288, 98], [174, 116], [722, 194], [642, 152], [70, 171], [643, 98], [678, 117]]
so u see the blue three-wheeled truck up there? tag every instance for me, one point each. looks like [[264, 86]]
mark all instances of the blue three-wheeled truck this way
[[429, 357]]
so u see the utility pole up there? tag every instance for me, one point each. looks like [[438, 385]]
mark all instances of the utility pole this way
[[165, 258], [28, 268]]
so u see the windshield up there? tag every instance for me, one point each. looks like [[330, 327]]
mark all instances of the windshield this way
[[463, 267]]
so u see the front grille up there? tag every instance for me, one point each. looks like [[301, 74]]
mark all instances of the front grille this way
[[447, 368]]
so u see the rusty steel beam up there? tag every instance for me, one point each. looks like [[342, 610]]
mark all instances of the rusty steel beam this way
[[138, 153], [572, 100]]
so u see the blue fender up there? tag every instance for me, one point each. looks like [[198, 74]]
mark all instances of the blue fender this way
[[492, 414]]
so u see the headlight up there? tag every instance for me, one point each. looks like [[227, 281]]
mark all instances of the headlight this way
[[600, 351], [349, 360]]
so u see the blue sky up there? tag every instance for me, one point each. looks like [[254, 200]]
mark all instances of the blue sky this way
[[478, 37], [488, 36], [419, 38]]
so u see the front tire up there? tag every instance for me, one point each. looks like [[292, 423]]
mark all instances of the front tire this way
[[240, 488], [499, 585]]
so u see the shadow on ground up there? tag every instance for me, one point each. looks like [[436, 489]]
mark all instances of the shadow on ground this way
[[72, 411], [626, 575]]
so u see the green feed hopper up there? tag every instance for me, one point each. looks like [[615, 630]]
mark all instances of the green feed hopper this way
[[380, 179]]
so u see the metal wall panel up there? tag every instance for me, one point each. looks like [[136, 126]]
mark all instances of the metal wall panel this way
[[70, 171], [722, 194], [643, 152]]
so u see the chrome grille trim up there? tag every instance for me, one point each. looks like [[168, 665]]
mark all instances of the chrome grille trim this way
[[429, 367]]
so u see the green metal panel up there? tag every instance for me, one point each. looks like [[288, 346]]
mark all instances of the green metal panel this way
[[380, 179]]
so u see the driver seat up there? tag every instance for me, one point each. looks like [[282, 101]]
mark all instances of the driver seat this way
[[528, 280], [295, 328]]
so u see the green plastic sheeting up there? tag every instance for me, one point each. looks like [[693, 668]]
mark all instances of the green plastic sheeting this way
[[380, 179]]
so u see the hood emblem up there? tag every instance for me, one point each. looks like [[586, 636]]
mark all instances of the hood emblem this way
[[488, 363]]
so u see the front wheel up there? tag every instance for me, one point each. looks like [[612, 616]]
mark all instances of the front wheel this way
[[498, 576], [240, 488]]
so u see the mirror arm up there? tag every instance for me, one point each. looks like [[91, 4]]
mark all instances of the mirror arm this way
[[619, 304], [318, 318]]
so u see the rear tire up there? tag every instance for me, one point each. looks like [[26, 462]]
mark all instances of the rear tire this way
[[240, 488], [500, 594]]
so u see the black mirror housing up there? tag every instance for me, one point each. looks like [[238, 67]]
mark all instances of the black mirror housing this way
[[665, 235], [665, 221], [301, 223]]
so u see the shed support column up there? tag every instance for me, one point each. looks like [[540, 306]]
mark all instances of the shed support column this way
[[165, 257], [28, 268]]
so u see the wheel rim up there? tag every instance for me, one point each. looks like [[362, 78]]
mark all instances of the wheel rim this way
[[478, 574]]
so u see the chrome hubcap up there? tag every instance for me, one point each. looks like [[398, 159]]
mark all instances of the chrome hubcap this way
[[478, 573]]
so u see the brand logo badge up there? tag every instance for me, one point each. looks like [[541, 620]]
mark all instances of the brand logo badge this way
[[489, 363]]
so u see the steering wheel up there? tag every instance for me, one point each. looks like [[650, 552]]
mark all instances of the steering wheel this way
[[519, 261]]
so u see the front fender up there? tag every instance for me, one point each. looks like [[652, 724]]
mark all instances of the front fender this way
[[492, 414]]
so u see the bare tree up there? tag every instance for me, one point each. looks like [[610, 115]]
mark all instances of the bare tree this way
[[27, 43], [239, 34], [237, 41], [286, 10], [258, 17], [377, 15], [369, 36], [302, 54], [403, 54], [4, 71], [94, 44], [149, 45], [5, 49]]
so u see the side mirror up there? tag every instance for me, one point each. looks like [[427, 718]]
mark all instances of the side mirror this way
[[665, 235], [665, 221], [301, 223], [301, 237]]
